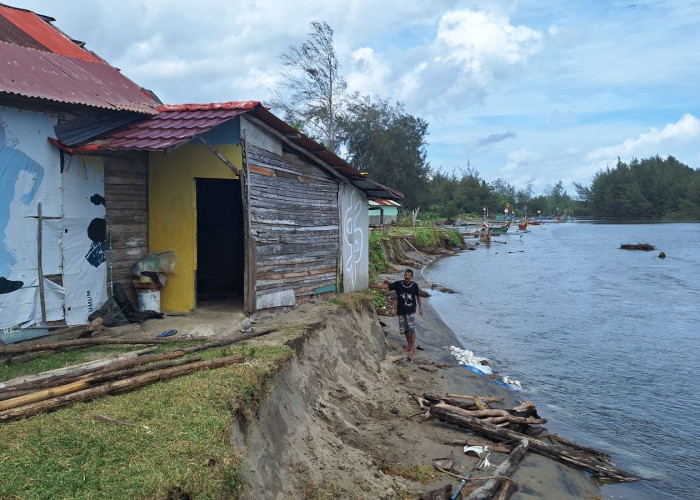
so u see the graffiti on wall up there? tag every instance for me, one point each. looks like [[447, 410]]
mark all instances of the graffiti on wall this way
[[12, 163], [355, 251], [52, 227]]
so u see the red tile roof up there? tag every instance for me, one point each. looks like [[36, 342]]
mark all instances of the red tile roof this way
[[38, 61]]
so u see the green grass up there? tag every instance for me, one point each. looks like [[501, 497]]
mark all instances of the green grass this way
[[179, 440]]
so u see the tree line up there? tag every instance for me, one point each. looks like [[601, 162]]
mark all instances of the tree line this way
[[379, 137]]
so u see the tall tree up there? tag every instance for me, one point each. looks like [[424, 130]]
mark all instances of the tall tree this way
[[316, 88], [388, 143]]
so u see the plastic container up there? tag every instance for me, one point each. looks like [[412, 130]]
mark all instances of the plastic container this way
[[149, 300]]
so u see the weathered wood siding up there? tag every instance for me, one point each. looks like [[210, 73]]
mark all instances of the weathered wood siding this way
[[294, 220], [126, 205]]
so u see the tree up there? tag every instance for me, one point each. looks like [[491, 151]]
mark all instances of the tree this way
[[389, 144], [316, 86]]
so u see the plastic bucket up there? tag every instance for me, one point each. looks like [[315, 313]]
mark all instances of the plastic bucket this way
[[149, 300]]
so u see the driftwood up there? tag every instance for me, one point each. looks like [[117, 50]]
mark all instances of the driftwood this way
[[495, 416], [485, 399], [462, 418], [115, 387], [490, 488], [637, 246]]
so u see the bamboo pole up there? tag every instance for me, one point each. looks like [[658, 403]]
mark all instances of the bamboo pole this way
[[114, 387]]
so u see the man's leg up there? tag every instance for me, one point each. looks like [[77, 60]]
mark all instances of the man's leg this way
[[403, 328], [411, 334], [411, 337]]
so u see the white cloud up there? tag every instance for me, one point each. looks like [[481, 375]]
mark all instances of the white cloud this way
[[685, 130], [484, 44], [368, 72]]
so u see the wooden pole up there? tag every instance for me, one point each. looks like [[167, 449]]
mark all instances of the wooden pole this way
[[40, 266], [114, 387]]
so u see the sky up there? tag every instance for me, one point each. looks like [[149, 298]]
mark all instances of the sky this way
[[532, 92]]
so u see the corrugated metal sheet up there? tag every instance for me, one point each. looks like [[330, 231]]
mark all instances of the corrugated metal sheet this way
[[45, 33], [384, 203], [43, 75], [177, 124], [39, 61]]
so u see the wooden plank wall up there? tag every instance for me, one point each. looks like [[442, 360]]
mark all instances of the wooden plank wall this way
[[126, 205], [295, 223]]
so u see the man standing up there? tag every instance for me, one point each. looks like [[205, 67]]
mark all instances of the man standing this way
[[407, 296]]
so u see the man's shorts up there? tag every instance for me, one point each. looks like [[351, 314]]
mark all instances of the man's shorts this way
[[407, 323]]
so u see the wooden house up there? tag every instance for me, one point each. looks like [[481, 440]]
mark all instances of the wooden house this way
[[95, 174]]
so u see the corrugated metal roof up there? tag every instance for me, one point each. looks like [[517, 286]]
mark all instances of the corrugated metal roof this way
[[175, 125], [43, 75], [384, 203], [38, 61], [45, 34]]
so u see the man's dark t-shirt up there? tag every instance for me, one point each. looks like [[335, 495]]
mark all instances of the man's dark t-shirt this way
[[406, 296]]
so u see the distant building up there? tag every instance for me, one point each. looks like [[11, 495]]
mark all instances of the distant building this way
[[382, 212]]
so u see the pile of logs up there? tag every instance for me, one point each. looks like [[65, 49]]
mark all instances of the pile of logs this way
[[30, 395], [510, 431]]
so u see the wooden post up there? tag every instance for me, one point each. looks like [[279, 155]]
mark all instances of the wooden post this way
[[40, 266]]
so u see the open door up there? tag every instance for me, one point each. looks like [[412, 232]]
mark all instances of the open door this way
[[220, 243]]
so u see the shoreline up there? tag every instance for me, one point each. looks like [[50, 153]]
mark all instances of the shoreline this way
[[538, 476]]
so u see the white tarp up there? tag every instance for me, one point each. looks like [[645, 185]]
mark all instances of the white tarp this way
[[30, 178]]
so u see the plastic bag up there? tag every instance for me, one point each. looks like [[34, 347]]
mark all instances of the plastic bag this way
[[158, 262]]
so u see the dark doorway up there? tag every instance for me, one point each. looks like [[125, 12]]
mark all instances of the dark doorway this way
[[220, 254]]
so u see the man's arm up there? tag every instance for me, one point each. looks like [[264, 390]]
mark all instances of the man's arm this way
[[383, 286], [420, 302]]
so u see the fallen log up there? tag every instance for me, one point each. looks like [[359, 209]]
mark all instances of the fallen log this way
[[487, 490], [485, 399], [495, 416], [114, 387], [462, 418]]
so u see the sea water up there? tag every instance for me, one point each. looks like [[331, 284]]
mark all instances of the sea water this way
[[604, 341]]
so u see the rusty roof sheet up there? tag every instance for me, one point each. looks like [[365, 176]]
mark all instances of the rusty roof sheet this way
[[48, 37], [384, 203], [38, 61], [174, 125]]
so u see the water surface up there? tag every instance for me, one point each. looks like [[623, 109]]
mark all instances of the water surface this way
[[604, 341]]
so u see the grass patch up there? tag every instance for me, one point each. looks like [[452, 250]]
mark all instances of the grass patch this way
[[420, 473], [179, 440]]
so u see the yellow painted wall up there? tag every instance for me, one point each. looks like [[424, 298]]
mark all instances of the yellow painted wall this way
[[172, 212]]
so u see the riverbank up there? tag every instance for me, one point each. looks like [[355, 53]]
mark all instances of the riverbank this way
[[340, 420], [334, 420]]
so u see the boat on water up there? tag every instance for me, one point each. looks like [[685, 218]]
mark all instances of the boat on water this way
[[497, 230], [523, 226], [485, 233]]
